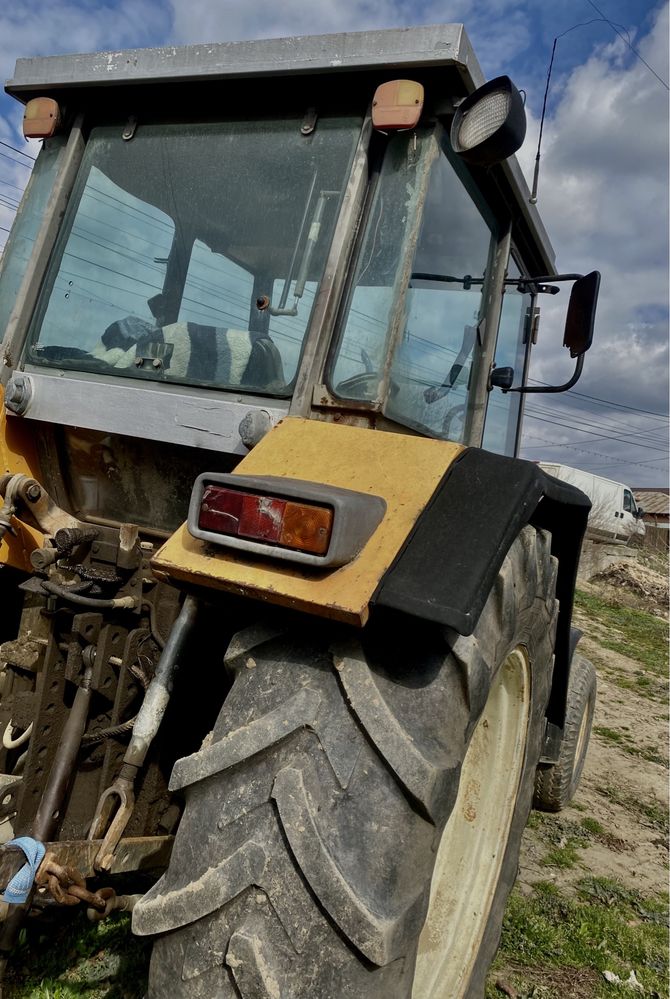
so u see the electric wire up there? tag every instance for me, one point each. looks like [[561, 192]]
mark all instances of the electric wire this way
[[590, 433], [21, 152], [602, 424], [14, 161], [607, 402], [627, 42]]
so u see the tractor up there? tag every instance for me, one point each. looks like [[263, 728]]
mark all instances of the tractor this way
[[286, 643]]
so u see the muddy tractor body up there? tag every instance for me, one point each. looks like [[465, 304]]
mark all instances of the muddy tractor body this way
[[286, 629]]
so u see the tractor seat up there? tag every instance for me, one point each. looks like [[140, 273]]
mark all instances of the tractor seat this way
[[215, 355]]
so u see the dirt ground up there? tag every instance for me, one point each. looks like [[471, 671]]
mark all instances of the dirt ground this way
[[609, 849], [632, 850]]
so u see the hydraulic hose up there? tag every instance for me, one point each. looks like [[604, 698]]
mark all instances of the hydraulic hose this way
[[158, 694], [77, 598]]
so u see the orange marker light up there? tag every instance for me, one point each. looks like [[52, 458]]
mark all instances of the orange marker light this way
[[41, 118], [306, 528], [397, 105]]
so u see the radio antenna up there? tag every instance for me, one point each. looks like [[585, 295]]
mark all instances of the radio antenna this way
[[536, 172]]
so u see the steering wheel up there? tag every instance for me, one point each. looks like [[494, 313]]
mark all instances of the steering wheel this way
[[451, 414], [362, 386]]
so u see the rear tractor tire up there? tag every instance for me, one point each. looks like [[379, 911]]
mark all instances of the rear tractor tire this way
[[352, 826], [556, 783]]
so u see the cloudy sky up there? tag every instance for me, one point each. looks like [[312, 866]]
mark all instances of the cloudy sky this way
[[603, 183]]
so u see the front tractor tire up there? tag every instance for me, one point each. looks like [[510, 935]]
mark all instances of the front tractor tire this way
[[352, 826], [556, 784]]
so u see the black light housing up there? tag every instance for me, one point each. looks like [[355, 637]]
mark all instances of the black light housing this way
[[490, 124]]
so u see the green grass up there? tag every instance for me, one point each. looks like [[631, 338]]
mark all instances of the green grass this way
[[649, 810], [640, 681], [73, 959], [564, 837], [606, 926], [625, 742], [562, 857], [592, 826], [634, 633]]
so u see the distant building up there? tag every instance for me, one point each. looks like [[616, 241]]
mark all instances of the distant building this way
[[656, 506]]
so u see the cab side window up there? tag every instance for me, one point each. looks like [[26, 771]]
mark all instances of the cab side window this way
[[628, 501]]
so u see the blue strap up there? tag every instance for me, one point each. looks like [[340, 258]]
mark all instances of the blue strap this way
[[19, 888]]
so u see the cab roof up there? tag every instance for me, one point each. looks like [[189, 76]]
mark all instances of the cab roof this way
[[402, 49]]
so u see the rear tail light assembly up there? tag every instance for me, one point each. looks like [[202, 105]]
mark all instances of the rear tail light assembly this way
[[288, 519]]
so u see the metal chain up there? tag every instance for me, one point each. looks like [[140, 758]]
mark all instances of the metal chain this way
[[67, 886]]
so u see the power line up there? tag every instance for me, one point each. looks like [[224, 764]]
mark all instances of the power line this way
[[15, 162], [15, 186], [603, 425], [627, 42], [19, 151], [599, 422], [599, 454], [600, 437], [608, 402]]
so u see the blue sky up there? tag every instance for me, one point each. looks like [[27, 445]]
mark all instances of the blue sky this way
[[603, 183]]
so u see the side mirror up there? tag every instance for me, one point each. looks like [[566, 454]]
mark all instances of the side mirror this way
[[579, 322], [581, 315], [501, 378]]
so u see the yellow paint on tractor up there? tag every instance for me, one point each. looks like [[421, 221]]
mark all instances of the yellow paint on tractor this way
[[17, 456], [403, 470]]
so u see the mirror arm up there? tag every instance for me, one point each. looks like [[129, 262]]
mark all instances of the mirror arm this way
[[553, 388]]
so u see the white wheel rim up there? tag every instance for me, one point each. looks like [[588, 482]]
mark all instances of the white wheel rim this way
[[584, 730], [472, 848]]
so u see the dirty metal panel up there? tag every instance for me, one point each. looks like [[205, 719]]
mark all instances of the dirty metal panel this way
[[403, 470], [17, 456], [435, 45], [194, 418], [137, 853]]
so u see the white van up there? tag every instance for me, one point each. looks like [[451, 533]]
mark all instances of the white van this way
[[614, 515]]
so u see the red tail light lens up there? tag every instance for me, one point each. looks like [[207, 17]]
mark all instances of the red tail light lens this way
[[303, 527]]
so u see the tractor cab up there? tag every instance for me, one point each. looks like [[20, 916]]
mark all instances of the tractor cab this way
[[239, 246]]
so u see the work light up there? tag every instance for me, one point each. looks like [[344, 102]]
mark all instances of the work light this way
[[490, 124]]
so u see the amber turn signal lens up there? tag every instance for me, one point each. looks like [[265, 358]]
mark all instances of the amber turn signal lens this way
[[303, 527], [307, 528], [397, 105], [41, 118]]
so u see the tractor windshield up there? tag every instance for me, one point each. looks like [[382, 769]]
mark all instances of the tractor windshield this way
[[410, 328], [193, 253]]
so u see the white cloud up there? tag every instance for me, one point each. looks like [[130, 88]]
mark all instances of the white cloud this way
[[43, 27], [604, 199], [603, 181], [500, 28]]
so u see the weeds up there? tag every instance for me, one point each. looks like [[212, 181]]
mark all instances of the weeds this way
[[633, 633], [607, 926], [627, 745], [650, 810], [74, 959], [592, 826], [566, 837]]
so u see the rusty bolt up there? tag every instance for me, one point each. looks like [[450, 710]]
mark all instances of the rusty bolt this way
[[157, 363], [33, 492]]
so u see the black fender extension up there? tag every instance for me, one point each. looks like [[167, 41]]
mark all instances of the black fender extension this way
[[449, 562]]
